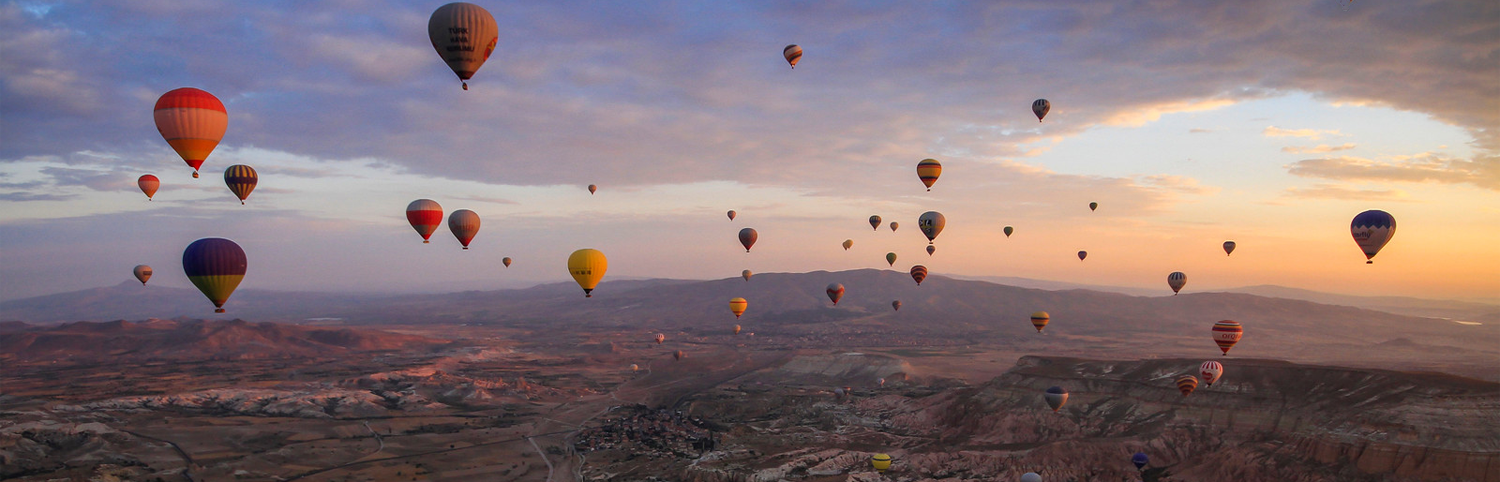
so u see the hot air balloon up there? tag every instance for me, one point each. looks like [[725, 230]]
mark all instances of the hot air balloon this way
[[216, 266], [1031, 477], [1228, 248], [839, 392], [592, 188], [1093, 206], [737, 306], [881, 382], [890, 258], [928, 171], [677, 355], [1082, 254], [634, 367], [746, 274], [835, 291], [732, 214], [1226, 334], [1371, 230], [464, 224], [896, 305], [875, 222], [931, 223], [736, 328], [918, 273], [748, 237], [505, 261], [1056, 397], [1176, 280], [1140, 460], [1041, 107], [1009, 230], [1039, 320], [424, 215], [587, 267], [1186, 384], [660, 338], [793, 53], [464, 34], [894, 225], [881, 462], [193, 122], [848, 243], [1211, 371], [148, 184], [931, 249], [241, 179], [143, 273]]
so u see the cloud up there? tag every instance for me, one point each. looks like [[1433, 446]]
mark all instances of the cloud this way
[[1180, 184], [1483, 172], [1318, 149], [1139, 116], [1199, 130], [28, 196], [1331, 191], [1311, 134]]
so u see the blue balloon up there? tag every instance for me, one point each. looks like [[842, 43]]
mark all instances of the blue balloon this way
[[1140, 460], [1371, 230]]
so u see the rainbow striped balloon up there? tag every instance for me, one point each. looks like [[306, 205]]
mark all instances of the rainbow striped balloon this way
[[1039, 320], [241, 179], [193, 122], [1227, 333], [216, 266], [1186, 384], [918, 273], [928, 171]]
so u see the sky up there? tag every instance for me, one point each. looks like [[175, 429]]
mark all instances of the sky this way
[[1271, 123]]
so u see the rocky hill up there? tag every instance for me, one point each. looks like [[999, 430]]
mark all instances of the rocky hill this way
[[156, 339]]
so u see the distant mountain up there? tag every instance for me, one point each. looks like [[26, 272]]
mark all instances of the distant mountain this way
[[1457, 310], [156, 339], [1043, 284]]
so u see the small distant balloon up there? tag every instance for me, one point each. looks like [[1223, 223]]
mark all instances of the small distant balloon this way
[[1093, 206], [660, 338], [1140, 460], [931, 249], [746, 274], [1372, 230], [593, 188], [875, 222], [918, 273], [1039, 320], [880, 462], [1009, 230], [928, 171], [732, 214], [881, 382], [1056, 397], [634, 367], [1082, 254], [894, 225], [1041, 107], [748, 237], [425, 215], [677, 355], [148, 184], [142, 273], [1031, 477], [896, 305], [1186, 384], [835, 291], [1228, 248], [848, 243], [1226, 334], [793, 54], [505, 261], [241, 179], [1176, 281], [890, 258], [587, 267], [736, 329], [464, 224], [1211, 371]]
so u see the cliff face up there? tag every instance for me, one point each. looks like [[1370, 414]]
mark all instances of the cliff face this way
[[1265, 421]]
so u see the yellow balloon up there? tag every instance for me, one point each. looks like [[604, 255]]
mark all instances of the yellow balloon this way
[[587, 267], [881, 462], [738, 305]]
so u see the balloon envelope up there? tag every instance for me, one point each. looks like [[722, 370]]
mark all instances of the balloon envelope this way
[[736, 329], [746, 274], [1226, 334], [793, 54], [890, 258], [677, 355], [1039, 320], [142, 273], [896, 305], [148, 184], [1211, 371], [1186, 384], [1009, 230], [848, 243], [1056, 397], [1031, 477], [732, 214], [464, 224], [875, 222], [931, 223], [464, 35], [928, 171], [660, 338], [593, 188], [216, 266], [1140, 460], [737, 306], [835, 291], [1371, 230], [505, 261], [1082, 254], [241, 179], [1093, 206], [918, 273], [880, 462], [931, 249], [193, 122], [1228, 248], [587, 267], [894, 225], [1176, 281], [748, 237], [1041, 107], [425, 215]]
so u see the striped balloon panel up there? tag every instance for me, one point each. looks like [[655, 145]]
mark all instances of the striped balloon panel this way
[[192, 121], [1040, 319], [1211, 371], [425, 215], [241, 179], [216, 266], [918, 273], [792, 53], [1186, 384], [738, 306], [928, 171], [1227, 333]]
